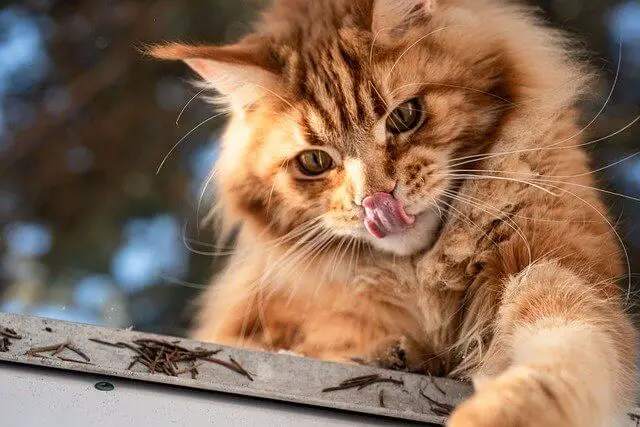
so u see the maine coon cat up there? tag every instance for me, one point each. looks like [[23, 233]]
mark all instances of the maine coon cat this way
[[411, 191]]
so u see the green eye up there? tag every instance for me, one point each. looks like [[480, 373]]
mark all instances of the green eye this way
[[405, 118], [314, 162]]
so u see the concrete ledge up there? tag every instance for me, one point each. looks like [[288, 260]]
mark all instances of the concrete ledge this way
[[275, 376]]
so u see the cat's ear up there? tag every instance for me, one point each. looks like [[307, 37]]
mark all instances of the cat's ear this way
[[396, 15], [240, 73]]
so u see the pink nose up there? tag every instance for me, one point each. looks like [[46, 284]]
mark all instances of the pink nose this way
[[385, 215]]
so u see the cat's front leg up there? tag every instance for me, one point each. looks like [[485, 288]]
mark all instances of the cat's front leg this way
[[563, 355], [240, 310], [342, 336]]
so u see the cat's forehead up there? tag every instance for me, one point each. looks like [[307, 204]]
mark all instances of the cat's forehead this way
[[335, 87], [341, 76]]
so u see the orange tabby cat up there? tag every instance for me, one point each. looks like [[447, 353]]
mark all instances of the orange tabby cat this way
[[410, 188]]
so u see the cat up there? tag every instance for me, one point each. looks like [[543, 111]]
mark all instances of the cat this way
[[410, 189]]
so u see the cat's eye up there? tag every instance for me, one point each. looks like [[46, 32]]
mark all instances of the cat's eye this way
[[314, 162], [405, 118]]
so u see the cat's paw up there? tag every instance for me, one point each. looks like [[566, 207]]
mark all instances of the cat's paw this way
[[389, 354], [400, 354], [518, 398]]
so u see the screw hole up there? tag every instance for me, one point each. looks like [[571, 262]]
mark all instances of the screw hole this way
[[104, 386]]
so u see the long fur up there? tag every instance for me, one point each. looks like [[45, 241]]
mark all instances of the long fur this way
[[516, 289]]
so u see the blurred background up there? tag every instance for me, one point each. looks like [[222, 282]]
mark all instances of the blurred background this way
[[89, 232]]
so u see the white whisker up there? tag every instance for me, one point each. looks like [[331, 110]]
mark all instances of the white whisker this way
[[479, 157], [481, 177], [414, 44], [189, 102], [182, 283], [164, 160]]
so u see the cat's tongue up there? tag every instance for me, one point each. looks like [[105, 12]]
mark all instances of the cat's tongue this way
[[384, 215]]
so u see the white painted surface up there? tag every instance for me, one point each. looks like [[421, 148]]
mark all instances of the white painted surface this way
[[36, 397]]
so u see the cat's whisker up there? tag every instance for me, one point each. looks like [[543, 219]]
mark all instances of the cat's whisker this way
[[472, 89], [591, 172], [266, 89], [506, 220], [203, 192], [215, 218], [373, 43], [308, 254], [207, 245], [304, 240], [216, 253], [501, 178], [343, 253], [193, 98], [414, 44], [290, 259], [328, 264], [184, 284], [335, 261], [313, 254], [514, 215], [186, 243], [303, 230], [604, 106], [468, 220], [285, 162], [352, 246], [600, 190], [603, 216], [221, 251], [541, 180], [613, 229], [480, 157], [309, 250], [296, 125], [434, 202], [295, 232], [373, 86], [336, 255], [309, 237], [358, 250], [536, 99], [312, 226], [187, 135]]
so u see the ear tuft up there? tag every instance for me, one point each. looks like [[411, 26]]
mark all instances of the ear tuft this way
[[170, 51], [397, 15], [238, 72]]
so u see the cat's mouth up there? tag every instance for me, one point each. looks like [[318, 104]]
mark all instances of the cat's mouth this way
[[388, 226], [384, 215]]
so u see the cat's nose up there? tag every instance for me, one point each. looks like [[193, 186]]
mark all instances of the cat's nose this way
[[385, 215], [374, 191]]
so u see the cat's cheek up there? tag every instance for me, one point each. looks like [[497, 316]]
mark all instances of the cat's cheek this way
[[342, 214], [420, 192], [420, 178]]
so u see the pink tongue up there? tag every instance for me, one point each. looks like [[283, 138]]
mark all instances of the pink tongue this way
[[384, 215]]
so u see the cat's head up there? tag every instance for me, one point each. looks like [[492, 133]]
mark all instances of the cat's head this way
[[350, 115]]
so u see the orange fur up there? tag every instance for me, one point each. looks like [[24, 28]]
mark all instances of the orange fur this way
[[509, 275]]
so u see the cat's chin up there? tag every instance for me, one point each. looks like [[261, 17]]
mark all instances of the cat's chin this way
[[420, 237]]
